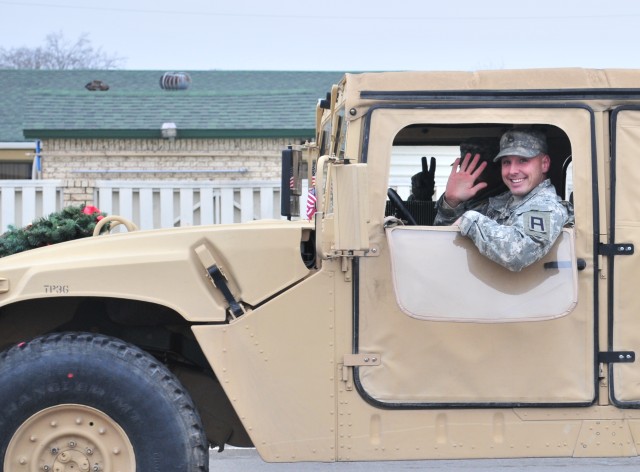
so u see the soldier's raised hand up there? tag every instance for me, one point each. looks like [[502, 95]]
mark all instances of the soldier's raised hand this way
[[462, 185]]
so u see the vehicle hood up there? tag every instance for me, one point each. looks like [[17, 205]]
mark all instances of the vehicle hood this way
[[258, 259]]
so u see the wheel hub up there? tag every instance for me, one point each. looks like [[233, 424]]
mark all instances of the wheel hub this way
[[70, 438]]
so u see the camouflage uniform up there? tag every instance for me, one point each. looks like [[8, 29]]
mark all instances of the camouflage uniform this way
[[512, 231]]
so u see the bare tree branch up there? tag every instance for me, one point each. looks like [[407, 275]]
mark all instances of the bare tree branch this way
[[59, 53]]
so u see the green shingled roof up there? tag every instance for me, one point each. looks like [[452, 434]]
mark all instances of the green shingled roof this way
[[40, 104]]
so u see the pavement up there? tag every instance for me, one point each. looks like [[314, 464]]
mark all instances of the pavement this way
[[248, 459]]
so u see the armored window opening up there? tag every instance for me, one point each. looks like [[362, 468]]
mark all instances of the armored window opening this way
[[418, 147]]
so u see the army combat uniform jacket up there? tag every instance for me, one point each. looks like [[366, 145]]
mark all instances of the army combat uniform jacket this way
[[512, 231]]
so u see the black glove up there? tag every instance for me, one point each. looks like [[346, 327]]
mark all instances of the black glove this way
[[423, 183]]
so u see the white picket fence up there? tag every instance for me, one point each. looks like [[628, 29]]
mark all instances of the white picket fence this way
[[164, 204], [149, 204], [22, 201]]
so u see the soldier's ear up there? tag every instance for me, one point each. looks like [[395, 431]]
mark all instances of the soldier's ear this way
[[546, 163]]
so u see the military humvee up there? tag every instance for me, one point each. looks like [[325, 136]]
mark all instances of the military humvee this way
[[366, 333]]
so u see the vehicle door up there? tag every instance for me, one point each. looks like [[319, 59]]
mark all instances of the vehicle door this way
[[624, 303], [451, 328]]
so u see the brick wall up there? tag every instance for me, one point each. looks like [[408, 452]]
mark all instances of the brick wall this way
[[80, 162]]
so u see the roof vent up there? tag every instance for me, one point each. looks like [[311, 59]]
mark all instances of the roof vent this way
[[96, 85], [175, 81]]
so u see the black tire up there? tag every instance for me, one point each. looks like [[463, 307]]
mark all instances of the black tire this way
[[97, 399]]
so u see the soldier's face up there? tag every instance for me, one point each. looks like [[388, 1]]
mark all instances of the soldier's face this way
[[521, 175]]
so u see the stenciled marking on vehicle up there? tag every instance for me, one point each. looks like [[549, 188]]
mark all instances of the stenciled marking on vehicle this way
[[56, 289]]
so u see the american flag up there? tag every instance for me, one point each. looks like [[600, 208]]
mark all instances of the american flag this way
[[311, 194]]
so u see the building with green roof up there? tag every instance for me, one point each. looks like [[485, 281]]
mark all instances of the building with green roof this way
[[108, 124]]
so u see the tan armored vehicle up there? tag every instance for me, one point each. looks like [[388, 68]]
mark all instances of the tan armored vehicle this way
[[366, 333]]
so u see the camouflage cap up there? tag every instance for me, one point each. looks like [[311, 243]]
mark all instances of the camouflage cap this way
[[524, 143]]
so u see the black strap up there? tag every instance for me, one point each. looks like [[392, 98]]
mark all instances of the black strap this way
[[219, 280]]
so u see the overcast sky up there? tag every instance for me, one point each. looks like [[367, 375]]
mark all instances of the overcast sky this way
[[338, 35]]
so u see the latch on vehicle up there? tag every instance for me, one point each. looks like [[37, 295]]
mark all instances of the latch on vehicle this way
[[219, 280], [357, 360]]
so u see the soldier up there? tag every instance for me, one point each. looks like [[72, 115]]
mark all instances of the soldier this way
[[519, 226]]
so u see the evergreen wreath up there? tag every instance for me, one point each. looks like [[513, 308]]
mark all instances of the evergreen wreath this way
[[72, 222]]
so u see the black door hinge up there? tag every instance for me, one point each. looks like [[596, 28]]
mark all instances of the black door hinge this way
[[610, 357], [623, 249]]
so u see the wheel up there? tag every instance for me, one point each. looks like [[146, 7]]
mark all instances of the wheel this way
[[397, 202], [76, 402]]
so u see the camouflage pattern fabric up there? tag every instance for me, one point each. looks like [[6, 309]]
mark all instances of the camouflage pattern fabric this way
[[512, 231], [524, 143], [447, 215]]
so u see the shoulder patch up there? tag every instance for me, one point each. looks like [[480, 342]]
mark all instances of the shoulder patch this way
[[537, 223]]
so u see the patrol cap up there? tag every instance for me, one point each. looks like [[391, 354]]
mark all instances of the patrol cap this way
[[524, 143]]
